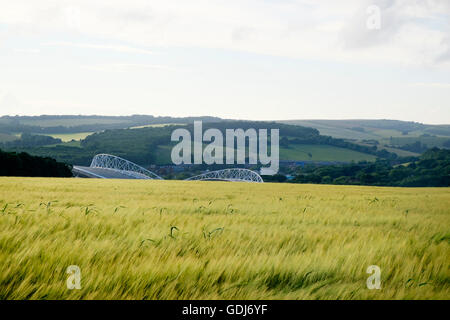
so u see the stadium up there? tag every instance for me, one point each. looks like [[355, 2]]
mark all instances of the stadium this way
[[106, 166]]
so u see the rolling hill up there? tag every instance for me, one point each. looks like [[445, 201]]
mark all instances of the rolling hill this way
[[401, 137], [146, 139], [152, 144], [372, 129]]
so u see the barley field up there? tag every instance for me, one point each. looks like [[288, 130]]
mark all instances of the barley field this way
[[220, 240]]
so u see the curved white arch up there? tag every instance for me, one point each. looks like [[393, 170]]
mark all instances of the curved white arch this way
[[118, 164], [236, 174]]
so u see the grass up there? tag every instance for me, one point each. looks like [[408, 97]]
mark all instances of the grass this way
[[5, 137], [210, 240], [66, 137], [343, 129], [322, 153], [334, 130], [297, 152], [399, 152], [429, 141]]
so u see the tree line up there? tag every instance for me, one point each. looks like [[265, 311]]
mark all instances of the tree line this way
[[431, 169], [152, 145], [30, 124], [25, 165]]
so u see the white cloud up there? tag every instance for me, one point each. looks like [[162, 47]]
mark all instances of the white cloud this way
[[32, 51], [431, 85], [412, 31], [9, 104], [122, 67], [395, 71], [119, 48]]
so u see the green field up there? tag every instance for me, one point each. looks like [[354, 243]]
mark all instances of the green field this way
[[70, 122], [399, 152], [373, 129], [297, 152], [328, 129], [65, 137], [210, 240], [431, 142], [4, 137], [301, 152]]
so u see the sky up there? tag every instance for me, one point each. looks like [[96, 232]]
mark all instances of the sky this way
[[240, 59]]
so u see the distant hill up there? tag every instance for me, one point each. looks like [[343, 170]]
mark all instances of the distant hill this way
[[372, 129], [70, 124], [65, 125], [152, 144], [402, 137], [145, 139]]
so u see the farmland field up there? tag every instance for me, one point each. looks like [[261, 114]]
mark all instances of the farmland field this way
[[65, 137], [322, 153], [297, 152], [211, 240], [4, 137], [375, 129]]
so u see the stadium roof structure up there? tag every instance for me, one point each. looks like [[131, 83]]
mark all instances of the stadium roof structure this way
[[106, 166]]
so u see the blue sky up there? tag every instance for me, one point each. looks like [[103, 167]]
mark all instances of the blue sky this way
[[243, 59]]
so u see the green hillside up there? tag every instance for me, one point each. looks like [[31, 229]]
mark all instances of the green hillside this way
[[5, 137], [64, 124], [146, 139], [152, 144], [405, 139], [309, 152], [66, 137], [372, 129], [400, 137]]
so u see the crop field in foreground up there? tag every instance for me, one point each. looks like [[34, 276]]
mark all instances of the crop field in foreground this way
[[220, 240]]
